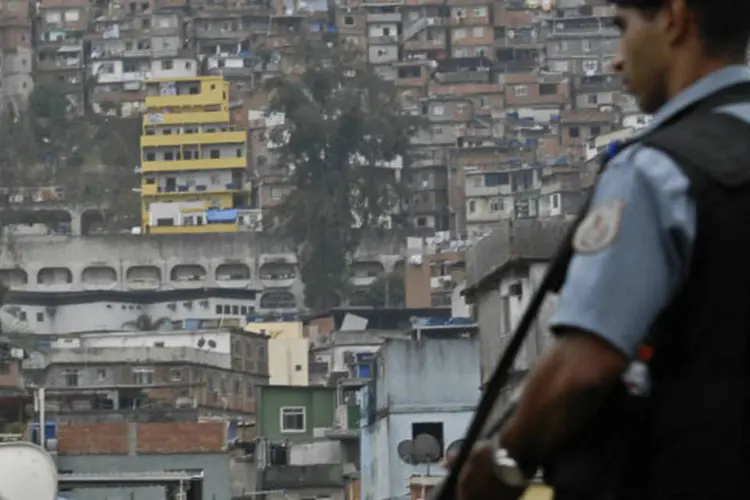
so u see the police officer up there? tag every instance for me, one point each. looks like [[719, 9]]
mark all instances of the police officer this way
[[662, 258]]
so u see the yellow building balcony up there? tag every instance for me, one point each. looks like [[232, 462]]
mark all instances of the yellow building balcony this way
[[184, 101], [231, 137], [203, 229], [186, 118], [154, 191], [190, 92], [188, 165]]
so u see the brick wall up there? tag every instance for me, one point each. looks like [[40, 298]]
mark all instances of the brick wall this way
[[141, 438]]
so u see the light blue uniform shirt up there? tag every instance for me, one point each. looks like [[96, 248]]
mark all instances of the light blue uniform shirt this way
[[618, 292]]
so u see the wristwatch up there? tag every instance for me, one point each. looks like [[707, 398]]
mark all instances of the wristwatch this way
[[507, 469]]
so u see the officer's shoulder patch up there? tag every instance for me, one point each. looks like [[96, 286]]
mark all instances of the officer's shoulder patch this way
[[599, 228]]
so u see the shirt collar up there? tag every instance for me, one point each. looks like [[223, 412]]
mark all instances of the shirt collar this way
[[709, 84]]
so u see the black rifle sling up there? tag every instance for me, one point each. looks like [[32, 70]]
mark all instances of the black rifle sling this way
[[552, 280]]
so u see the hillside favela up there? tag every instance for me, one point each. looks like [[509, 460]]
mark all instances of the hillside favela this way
[[271, 249]]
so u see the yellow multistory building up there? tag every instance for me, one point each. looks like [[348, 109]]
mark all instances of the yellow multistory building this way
[[193, 162]]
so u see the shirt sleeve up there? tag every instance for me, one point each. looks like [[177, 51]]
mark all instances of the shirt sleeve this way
[[618, 285]]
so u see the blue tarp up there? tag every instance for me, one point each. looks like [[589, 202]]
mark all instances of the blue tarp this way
[[228, 215]]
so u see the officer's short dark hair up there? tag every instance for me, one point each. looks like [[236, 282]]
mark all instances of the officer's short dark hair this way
[[724, 25]]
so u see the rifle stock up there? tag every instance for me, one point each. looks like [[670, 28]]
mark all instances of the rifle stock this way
[[552, 281]]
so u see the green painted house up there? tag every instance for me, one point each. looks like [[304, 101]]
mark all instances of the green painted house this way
[[295, 412]]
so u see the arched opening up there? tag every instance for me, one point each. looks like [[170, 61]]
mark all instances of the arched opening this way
[[38, 222], [54, 276], [399, 268], [14, 277], [361, 298], [367, 269], [236, 271], [278, 299], [99, 276], [188, 272], [143, 276], [95, 221], [278, 271]]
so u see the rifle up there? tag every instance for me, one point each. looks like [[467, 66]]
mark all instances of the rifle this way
[[552, 282]]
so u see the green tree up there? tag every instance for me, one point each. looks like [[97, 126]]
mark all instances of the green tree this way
[[388, 291], [343, 125]]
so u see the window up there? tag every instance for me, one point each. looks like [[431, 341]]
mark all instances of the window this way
[[71, 378], [521, 90], [72, 15], [218, 308], [293, 419], [53, 17], [496, 205], [505, 315], [143, 376], [438, 110], [547, 89], [555, 199], [167, 64], [275, 193], [432, 429], [4, 368], [40, 317], [480, 12], [459, 34], [478, 31], [101, 374], [214, 153], [297, 368], [237, 388], [349, 20], [574, 132], [595, 130], [472, 206], [248, 389], [175, 374], [592, 99]]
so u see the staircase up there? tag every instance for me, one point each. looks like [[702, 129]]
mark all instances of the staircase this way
[[414, 29]]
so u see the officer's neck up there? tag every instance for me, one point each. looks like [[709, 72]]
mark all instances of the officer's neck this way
[[687, 68]]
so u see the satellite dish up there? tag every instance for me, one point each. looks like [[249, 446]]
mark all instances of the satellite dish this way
[[28, 472], [201, 342], [405, 450], [454, 447], [427, 449]]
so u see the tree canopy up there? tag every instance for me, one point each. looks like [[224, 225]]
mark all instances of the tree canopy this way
[[90, 157], [344, 129], [387, 291]]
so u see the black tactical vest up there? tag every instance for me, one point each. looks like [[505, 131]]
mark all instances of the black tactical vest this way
[[696, 439], [691, 439]]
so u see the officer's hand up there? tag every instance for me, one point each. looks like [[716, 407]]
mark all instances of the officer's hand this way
[[478, 480]]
